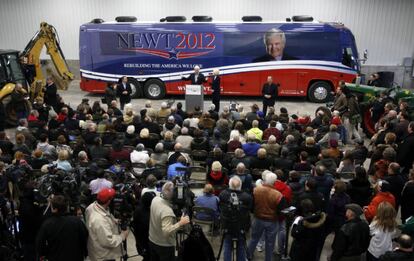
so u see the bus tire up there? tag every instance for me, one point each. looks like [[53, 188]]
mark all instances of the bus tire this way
[[154, 89], [319, 92], [136, 88]]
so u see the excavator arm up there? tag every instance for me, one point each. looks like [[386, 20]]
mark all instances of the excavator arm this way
[[47, 36]]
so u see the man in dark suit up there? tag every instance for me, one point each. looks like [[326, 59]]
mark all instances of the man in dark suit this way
[[269, 92], [124, 92], [275, 42], [215, 84], [196, 77], [50, 94]]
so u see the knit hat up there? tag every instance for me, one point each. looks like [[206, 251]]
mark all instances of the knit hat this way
[[355, 208], [105, 195]]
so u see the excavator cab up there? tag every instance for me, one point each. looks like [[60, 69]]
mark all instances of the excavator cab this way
[[10, 69]]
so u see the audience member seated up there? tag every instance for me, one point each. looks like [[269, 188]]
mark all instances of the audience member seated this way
[[168, 141], [217, 141], [272, 147], [118, 152], [234, 143], [199, 142], [170, 125], [328, 162], [261, 161], [238, 131], [139, 154], [331, 135], [245, 177], [217, 178], [159, 156], [99, 183], [291, 146], [63, 162], [144, 138], [251, 147], [184, 139], [347, 163], [239, 157], [49, 151], [150, 182], [38, 160], [130, 136], [173, 156], [303, 164], [208, 200], [98, 151], [258, 133], [177, 169], [272, 131]]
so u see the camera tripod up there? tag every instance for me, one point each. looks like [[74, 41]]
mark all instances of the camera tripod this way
[[234, 244]]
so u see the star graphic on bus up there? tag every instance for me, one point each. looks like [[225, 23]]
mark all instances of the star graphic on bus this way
[[173, 54]]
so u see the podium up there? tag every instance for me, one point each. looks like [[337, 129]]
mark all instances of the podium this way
[[194, 96]]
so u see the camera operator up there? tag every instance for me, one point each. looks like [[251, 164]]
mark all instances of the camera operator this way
[[163, 225], [62, 237], [105, 240], [235, 215]]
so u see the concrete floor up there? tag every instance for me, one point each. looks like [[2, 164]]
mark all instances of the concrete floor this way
[[299, 106]]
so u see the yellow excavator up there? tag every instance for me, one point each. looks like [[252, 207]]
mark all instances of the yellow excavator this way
[[25, 68]]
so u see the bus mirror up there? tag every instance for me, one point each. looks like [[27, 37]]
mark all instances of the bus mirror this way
[[363, 60]]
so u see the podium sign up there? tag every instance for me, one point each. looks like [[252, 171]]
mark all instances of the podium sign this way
[[194, 96]]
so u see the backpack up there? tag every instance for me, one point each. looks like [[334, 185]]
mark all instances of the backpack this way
[[196, 247]]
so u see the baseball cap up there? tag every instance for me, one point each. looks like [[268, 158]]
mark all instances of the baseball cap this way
[[355, 208], [105, 195]]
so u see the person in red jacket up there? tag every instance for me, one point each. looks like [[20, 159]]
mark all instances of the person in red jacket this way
[[383, 194]]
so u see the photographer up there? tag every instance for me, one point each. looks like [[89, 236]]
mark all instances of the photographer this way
[[105, 240], [163, 225], [62, 237], [234, 206]]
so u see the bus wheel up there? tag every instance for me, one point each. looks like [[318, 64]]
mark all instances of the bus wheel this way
[[11, 116], [136, 88], [154, 89], [319, 92]]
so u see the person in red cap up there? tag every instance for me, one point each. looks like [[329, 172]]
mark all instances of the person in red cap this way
[[105, 240]]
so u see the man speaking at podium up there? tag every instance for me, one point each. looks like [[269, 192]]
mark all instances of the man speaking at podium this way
[[196, 78]]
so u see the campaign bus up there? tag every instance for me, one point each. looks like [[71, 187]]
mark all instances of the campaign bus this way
[[307, 59]]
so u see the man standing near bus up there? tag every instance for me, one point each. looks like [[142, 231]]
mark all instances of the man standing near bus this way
[[215, 85], [275, 42], [124, 92], [196, 77], [269, 92]]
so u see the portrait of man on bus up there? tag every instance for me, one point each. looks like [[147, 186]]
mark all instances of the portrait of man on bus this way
[[275, 42]]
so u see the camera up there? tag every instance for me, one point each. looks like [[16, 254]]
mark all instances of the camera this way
[[182, 199], [235, 217], [122, 204]]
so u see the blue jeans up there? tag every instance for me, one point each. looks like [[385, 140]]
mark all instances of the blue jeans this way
[[269, 228], [228, 245]]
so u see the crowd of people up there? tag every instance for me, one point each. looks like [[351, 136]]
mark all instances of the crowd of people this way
[[263, 162]]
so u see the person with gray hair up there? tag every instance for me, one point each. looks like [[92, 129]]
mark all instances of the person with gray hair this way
[[139, 154], [268, 202], [245, 177], [159, 156], [184, 139], [235, 226], [216, 88], [196, 77], [275, 42], [163, 225]]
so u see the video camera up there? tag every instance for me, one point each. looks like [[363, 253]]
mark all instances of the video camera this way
[[182, 199], [234, 216], [122, 205]]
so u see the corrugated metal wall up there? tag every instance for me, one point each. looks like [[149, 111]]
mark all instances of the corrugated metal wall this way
[[384, 27]]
